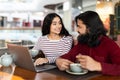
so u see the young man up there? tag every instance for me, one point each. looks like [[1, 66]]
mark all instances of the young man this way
[[94, 51]]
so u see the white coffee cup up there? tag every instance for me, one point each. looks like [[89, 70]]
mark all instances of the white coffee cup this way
[[33, 52], [75, 67]]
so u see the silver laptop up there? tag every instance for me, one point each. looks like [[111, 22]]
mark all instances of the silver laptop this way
[[22, 58]]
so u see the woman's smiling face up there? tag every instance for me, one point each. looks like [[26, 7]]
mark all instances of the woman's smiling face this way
[[56, 26]]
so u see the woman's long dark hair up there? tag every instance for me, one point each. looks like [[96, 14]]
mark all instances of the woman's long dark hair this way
[[47, 23], [95, 26]]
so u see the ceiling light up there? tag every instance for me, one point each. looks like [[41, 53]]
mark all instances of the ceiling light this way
[[79, 7]]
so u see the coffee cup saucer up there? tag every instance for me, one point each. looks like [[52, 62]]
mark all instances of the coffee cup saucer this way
[[84, 71]]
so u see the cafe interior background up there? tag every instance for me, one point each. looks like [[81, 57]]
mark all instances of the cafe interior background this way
[[21, 20]]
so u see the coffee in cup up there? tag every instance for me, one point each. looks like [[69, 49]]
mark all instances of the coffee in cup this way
[[75, 67]]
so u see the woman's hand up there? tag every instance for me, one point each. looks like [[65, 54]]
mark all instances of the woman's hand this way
[[63, 64], [40, 61], [88, 63]]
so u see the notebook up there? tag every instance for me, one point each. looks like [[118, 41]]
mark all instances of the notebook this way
[[22, 58]]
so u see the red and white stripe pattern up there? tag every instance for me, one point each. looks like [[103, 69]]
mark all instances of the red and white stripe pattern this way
[[54, 48]]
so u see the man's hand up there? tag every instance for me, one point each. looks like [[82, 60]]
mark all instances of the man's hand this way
[[63, 64], [88, 63]]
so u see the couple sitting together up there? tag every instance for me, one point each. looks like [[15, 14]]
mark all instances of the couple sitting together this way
[[95, 51]]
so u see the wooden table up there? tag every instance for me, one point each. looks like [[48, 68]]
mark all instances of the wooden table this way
[[17, 73]]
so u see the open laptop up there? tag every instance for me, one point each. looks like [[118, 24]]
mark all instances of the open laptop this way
[[22, 58]]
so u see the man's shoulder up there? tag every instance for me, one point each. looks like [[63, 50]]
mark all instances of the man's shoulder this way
[[107, 41]]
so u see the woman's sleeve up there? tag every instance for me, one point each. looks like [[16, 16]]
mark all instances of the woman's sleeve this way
[[51, 59], [37, 44], [68, 42]]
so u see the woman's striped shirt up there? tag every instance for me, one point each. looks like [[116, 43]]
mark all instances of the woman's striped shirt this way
[[54, 48]]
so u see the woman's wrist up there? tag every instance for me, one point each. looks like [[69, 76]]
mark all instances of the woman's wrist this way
[[46, 60]]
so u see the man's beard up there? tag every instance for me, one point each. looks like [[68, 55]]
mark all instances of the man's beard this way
[[83, 39], [86, 39]]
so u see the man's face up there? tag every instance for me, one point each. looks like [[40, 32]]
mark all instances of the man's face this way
[[81, 27], [83, 32]]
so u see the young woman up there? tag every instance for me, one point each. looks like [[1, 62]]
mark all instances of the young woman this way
[[55, 40], [95, 51]]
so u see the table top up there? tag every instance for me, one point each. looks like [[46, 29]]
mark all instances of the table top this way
[[17, 73]]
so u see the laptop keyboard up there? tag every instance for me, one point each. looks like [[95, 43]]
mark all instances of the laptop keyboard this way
[[44, 67]]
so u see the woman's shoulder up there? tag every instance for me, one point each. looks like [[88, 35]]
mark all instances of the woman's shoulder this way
[[67, 37], [43, 37]]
